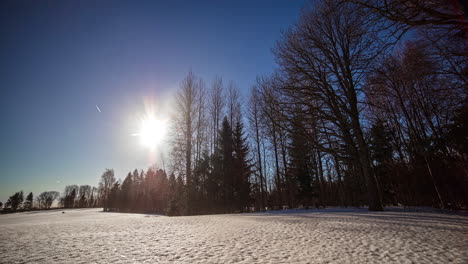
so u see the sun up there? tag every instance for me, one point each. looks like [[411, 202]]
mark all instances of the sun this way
[[152, 131]]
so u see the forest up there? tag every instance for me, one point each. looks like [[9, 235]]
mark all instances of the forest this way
[[367, 106]]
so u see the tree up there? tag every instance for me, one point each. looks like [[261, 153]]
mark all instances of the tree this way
[[173, 207], [215, 111], [225, 151], [127, 193], [94, 198], [419, 102], [241, 168], [114, 197], [105, 187], [28, 204], [300, 161], [186, 123], [15, 201], [324, 60], [417, 12], [46, 199], [233, 104], [381, 152], [69, 196], [84, 195], [178, 200], [254, 117]]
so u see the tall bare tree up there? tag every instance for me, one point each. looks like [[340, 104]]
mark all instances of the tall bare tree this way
[[254, 117], [105, 187], [233, 104], [325, 60], [187, 123], [216, 108]]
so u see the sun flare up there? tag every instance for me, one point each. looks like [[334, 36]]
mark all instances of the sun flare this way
[[152, 132]]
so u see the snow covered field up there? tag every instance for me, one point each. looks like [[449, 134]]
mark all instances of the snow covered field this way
[[334, 235]]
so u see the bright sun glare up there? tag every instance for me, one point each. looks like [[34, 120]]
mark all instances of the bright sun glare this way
[[152, 131]]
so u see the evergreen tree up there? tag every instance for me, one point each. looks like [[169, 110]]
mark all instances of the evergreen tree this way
[[203, 170], [162, 192], [300, 161], [69, 196], [136, 194], [29, 201], [172, 206], [127, 193], [15, 201], [381, 154], [114, 197], [241, 168], [226, 153], [215, 181], [380, 144], [181, 196]]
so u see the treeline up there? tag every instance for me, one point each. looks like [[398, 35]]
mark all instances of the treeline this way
[[74, 196], [367, 107], [83, 196], [220, 183], [352, 116], [17, 202]]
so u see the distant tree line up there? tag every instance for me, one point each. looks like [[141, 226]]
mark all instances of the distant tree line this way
[[368, 106], [221, 183], [83, 196], [17, 203]]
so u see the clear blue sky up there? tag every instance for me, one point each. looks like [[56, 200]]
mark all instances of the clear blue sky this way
[[59, 59]]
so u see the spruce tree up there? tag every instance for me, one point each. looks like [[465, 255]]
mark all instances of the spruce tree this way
[[300, 161], [29, 201], [381, 151], [226, 152], [241, 168], [126, 191], [15, 201]]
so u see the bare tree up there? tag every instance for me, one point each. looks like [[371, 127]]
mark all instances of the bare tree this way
[[254, 117], [325, 60], [46, 199], [201, 123], [186, 123], [417, 12], [418, 104], [105, 187], [233, 104], [84, 193], [216, 106]]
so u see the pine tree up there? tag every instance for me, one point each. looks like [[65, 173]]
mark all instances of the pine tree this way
[[126, 191], [15, 201], [114, 197], [181, 196], [29, 201], [226, 153], [380, 143], [241, 168], [172, 206], [300, 161], [381, 151]]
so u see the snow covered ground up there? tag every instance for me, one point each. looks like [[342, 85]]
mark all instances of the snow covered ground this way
[[332, 235]]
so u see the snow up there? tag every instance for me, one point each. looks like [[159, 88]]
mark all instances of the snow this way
[[293, 236]]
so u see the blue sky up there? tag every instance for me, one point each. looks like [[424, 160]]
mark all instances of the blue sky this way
[[59, 59]]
